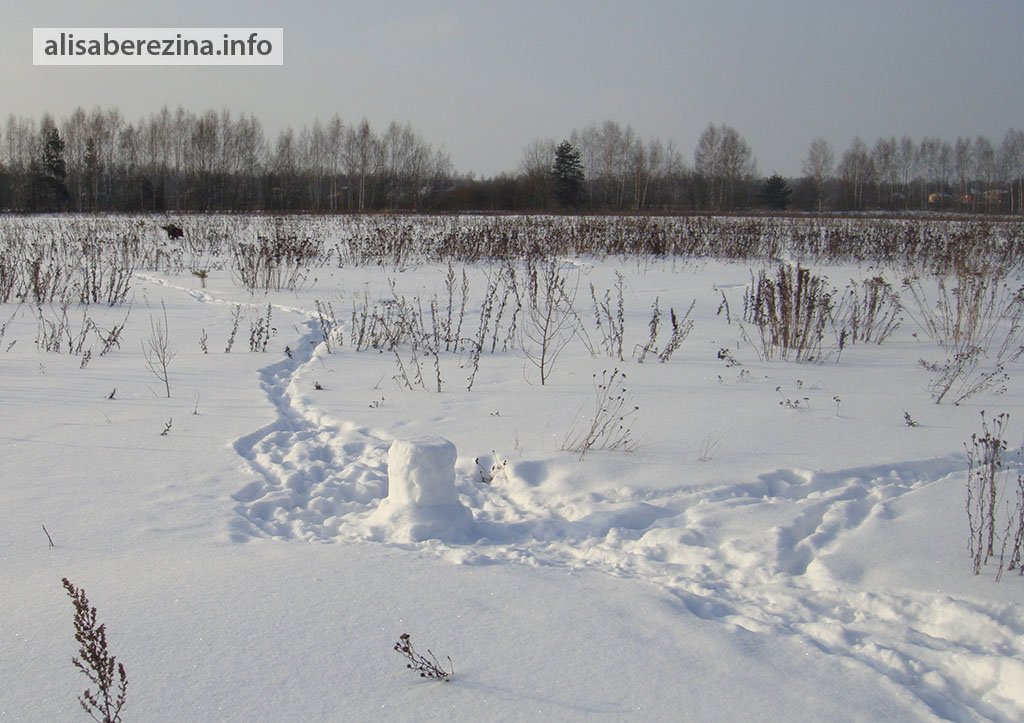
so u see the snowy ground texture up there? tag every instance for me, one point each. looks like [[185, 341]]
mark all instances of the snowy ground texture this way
[[771, 541]]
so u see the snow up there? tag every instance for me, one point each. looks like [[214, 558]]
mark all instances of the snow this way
[[422, 503], [748, 561]]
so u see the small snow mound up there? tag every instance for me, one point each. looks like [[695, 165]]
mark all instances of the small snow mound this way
[[422, 503]]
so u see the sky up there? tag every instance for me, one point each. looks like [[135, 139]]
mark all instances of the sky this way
[[483, 79]]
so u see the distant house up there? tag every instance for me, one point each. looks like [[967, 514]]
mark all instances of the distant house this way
[[995, 198], [991, 200]]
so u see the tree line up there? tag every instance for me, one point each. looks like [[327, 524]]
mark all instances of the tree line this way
[[625, 173], [966, 174], [178, 160]]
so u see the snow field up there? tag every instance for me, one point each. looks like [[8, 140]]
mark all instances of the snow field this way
[[748, 560]]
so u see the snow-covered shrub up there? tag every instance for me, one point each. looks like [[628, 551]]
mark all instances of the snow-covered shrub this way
[[260, 331], [985, 477], [611, 318], [400, 325], [978, 324], [58, 261], [57, 333], [791, 311], [681, 328], [609, 428], [1016, 519], [277, 264], [869, 312], [330, 327]]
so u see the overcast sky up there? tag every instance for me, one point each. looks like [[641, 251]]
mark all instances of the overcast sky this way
[[483, 79]]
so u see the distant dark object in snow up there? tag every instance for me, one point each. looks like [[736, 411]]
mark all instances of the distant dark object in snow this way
[[173, 230]]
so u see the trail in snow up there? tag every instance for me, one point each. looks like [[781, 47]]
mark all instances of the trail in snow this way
[[742, 554], [310, 474]]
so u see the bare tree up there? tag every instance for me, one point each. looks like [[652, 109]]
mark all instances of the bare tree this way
[[985, 168], [906, 165], [856, 170], [707, 163], [551, 320], [933, 157], [589, 143], [738, 165], [639, 166], [76, 139], [962, 167], [129, 156], [20, 145], [312, 151], [883, 159], [202, 154], [362, 159], [984, 160], [624, 171], [335, 146], [818, 167], [283, 169], [251, 145], [1011, 154], [535, 172], [723, 161], [157, 350]]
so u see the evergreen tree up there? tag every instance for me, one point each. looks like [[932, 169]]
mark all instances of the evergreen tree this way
[[567, 172], [53, 156], [51, 190], [775, 193]]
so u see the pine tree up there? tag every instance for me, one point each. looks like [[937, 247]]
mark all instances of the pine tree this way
[[50, 191], [775, 193], [53, 156], [568, 175]]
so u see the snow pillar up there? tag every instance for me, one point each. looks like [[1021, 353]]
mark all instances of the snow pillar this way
[[422, 502]]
